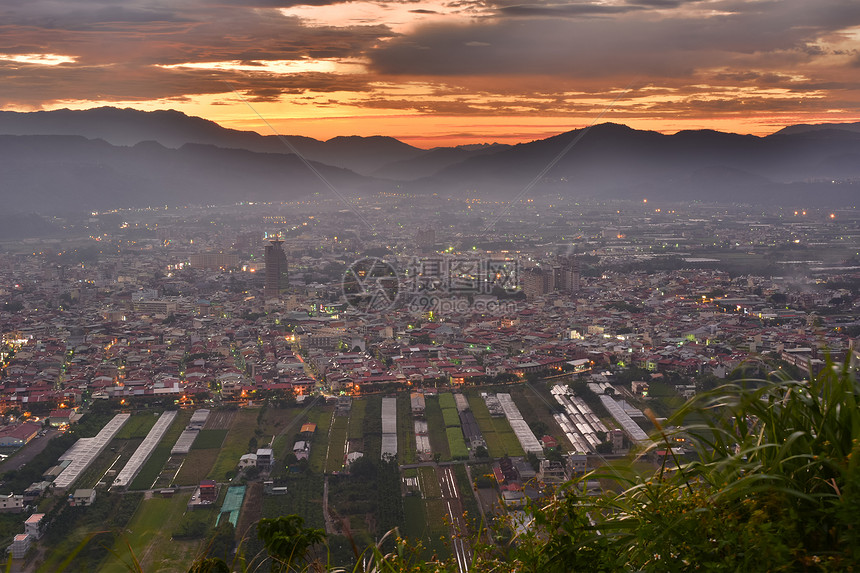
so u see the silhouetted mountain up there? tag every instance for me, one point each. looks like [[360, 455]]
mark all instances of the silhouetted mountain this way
[[174, 129], [199, 161], [617, 161], [805, 127], [433, 161], [71, 173]]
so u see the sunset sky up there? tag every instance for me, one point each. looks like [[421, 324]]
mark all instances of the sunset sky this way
[[441, 72]]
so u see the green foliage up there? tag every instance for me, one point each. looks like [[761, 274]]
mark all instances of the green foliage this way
[[288, 541], [221, 541], [775, 487]]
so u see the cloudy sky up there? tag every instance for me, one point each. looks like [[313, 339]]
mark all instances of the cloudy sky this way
[[439, 72]]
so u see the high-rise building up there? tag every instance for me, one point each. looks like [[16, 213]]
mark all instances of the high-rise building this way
[[537, 282], [567, 274], [277, 278], [214, 261], [426, 240]]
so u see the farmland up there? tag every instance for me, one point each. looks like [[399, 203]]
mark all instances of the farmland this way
[[500, 438], [362, 505]]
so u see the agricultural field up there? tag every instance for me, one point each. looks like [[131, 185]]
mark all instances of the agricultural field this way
[[79, 537], [372, 427], [537, 406], [137, 426], [208, 439], [436, 428], [425, 515], [355, 430], [405, 430], [319, 444], [336, 444], [457, 445], [497, 432], [150, 471], [149, 538], [197, 465], [235, 445]]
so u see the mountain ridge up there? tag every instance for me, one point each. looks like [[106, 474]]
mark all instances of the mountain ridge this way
[[605, 160]]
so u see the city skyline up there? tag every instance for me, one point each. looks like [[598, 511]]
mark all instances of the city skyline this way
[[433, 73]]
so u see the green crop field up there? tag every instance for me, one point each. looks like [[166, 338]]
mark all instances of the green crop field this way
[[497, 432], [446, 400], [236, 443], [319, 444], [405, 430], [197, 466], [429, 483], [451, 418], [137, 426], [457, 445], [336, 444], [356, 419], [436, 428], [208, 439]]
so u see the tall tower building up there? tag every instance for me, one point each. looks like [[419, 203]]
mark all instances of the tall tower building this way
[[567, 274], [277, 278], [426, 240]]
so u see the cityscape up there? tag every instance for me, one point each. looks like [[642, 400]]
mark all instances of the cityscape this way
[[429, 287], [228, 355]]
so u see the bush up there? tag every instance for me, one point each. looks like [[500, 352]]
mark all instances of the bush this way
[[775, 486]]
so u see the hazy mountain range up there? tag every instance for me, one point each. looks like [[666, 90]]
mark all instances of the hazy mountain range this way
[[103, 158]]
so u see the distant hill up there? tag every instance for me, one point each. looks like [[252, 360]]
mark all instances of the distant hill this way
[[56, 173], [805, 127], [432, 161], [103, 154], [173, 129], [617, 161]]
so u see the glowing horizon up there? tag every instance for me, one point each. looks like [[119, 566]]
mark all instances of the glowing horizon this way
[[432, 73]]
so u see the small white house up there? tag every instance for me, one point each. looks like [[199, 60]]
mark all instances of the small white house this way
[[82, 497]]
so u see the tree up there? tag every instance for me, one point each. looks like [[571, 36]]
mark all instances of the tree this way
[[221, 541], [539, 428], [481, 452], [288, 541], [604, 448]]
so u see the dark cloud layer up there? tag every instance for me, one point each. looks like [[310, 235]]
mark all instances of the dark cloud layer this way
[[697, 55]]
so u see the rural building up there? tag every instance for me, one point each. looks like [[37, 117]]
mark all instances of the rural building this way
[[82, 497], [33, 525], [301, 450], [208, 491], [265, 459], [63, 417], [20, 545], [248, 461], [11, 503], [551, 472], [17, 436], [576, 465]]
